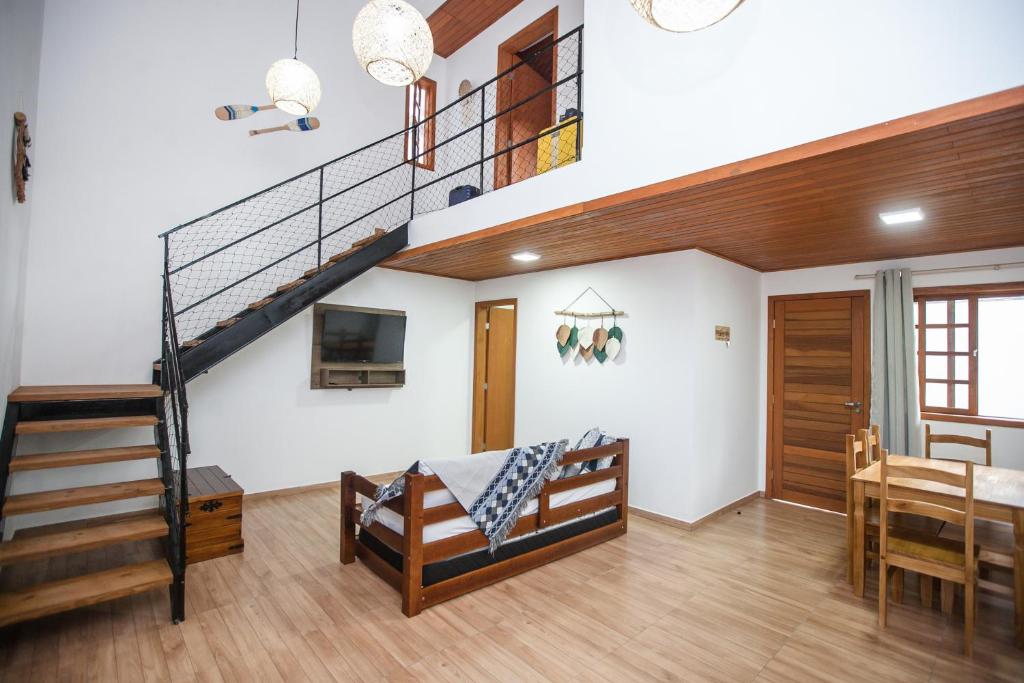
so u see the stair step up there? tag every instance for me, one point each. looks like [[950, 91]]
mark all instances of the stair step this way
[[344, 254], [377, 234], [45, 461], [81, 591], [290, 286], [261, 303], [191, 343], [83, 392], [313, 271], [228, 323], [84, 424], [118, 529], [40, 501]]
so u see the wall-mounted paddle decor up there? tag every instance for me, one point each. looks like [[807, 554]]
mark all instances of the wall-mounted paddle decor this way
[[588, 341], [21, 163]]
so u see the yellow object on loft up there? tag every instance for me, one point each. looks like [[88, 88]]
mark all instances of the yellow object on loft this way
[[557, 146]]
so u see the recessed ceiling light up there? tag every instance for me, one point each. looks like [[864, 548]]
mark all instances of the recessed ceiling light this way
[[525, 256], [896, 217]]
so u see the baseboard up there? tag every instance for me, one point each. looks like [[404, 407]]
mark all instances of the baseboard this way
[[385, 478], [690, 526], [275, 493]]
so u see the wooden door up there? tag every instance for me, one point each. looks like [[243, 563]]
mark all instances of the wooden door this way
[[531, 117], [494, 375], [818, 391]]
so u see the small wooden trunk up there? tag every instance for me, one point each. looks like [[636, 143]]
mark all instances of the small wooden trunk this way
[[214, 518]]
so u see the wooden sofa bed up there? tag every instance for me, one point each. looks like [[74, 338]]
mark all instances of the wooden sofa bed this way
[[430, 573]]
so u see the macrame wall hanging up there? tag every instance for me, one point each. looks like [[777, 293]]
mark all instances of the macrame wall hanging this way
[[588, 341]]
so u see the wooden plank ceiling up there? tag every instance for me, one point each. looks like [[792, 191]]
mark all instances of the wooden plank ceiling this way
[[816, 204], [457, 22]]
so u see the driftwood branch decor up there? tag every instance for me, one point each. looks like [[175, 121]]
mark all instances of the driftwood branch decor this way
[[602, 344], [21, 163]]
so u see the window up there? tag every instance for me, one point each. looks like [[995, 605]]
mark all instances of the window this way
[[970, 356], [420, 105]]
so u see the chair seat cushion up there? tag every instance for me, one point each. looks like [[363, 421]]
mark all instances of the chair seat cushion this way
[[995, 539], [927, 547]]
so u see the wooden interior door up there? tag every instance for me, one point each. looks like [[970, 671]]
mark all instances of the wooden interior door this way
[[818, 391], [527, 120], [494, 375]]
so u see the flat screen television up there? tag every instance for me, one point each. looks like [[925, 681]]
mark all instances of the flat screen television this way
[[360, 337], [357, 347]]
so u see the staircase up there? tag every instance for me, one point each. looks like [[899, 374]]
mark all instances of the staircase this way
[[229, 277], [44, 551]]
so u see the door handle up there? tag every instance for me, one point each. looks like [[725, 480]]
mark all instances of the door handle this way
[[856, 405]]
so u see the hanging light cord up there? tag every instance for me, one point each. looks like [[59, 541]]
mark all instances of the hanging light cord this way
[[295, 55]]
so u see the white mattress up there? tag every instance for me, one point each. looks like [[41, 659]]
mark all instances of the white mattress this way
[[460, 525]]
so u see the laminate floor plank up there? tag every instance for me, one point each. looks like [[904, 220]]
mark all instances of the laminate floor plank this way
[[756, 596]]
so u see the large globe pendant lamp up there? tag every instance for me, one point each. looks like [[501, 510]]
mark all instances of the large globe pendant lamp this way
[[680, 16], [293, 87], [392, 41]]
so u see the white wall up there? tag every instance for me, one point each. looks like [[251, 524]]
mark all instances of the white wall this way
[[774, 74], [684, 400], [1008, 443], [21, 35]]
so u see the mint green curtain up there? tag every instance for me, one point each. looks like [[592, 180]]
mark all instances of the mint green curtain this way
[[894, 405]]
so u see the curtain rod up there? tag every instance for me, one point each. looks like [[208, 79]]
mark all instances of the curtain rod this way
[[956, 269]]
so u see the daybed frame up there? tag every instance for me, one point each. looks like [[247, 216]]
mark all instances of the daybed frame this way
[[415, 553]]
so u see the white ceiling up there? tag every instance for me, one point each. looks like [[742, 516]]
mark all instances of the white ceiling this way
[[426, 7]]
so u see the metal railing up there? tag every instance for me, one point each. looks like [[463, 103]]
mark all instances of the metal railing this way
[[217, 265]]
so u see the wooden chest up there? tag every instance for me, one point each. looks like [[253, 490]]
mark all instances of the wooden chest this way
[[214, 519]]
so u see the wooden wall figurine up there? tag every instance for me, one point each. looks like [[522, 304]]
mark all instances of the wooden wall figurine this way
[[296, 126], [21, 163], [231, 112]]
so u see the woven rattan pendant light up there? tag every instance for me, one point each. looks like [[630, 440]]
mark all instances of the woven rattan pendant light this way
[[680, 16], [392, 41], [293, 86]]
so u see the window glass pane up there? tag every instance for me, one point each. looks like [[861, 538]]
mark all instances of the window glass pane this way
[[1000, 360], [963, 367], [935, 339], [961, 396], [962, 339], [961, 313], [935, 312], [935, 394], [936, 367]]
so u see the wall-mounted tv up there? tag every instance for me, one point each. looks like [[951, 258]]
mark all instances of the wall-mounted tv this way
[[357, 347]]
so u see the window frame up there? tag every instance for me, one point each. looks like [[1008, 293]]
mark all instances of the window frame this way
[[428, 87], [971, 293]]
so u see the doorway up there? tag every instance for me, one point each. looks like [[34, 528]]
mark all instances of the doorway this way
[[819, 388], [494, 375], [533, 46]]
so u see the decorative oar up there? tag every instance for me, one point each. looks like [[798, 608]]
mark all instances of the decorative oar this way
[[297, 126], [230, 112]]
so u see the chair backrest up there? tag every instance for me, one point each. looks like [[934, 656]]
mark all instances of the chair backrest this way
[[903, 488], [862, 450], [974, 442], [874, 443]]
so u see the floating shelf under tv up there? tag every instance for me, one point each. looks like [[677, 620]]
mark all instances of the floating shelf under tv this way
[[351, 375]]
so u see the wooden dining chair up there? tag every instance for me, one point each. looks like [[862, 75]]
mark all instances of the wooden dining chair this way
[[960, 439], [942, 558]]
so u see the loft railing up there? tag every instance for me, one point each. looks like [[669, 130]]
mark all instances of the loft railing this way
[[216, 265]]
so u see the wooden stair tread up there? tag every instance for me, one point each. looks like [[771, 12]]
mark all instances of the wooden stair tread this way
[[84, 424], [313, 271], [40, 501], [81, 591], [290, 286], [191, 343], [377, 234], [43, 461], [228, 323], [257, 305], [118, 530], [83, 392]]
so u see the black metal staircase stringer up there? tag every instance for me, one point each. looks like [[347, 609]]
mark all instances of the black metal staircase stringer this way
[[255, 324]]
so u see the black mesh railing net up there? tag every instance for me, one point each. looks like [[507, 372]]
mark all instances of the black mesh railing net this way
[[512, 128]]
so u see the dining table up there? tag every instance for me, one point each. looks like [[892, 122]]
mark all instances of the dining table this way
[[998, 496]]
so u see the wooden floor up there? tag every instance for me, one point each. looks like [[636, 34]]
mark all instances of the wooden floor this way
[[756, 595]]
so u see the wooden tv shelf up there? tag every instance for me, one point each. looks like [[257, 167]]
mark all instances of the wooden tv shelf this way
[[358, 379]]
